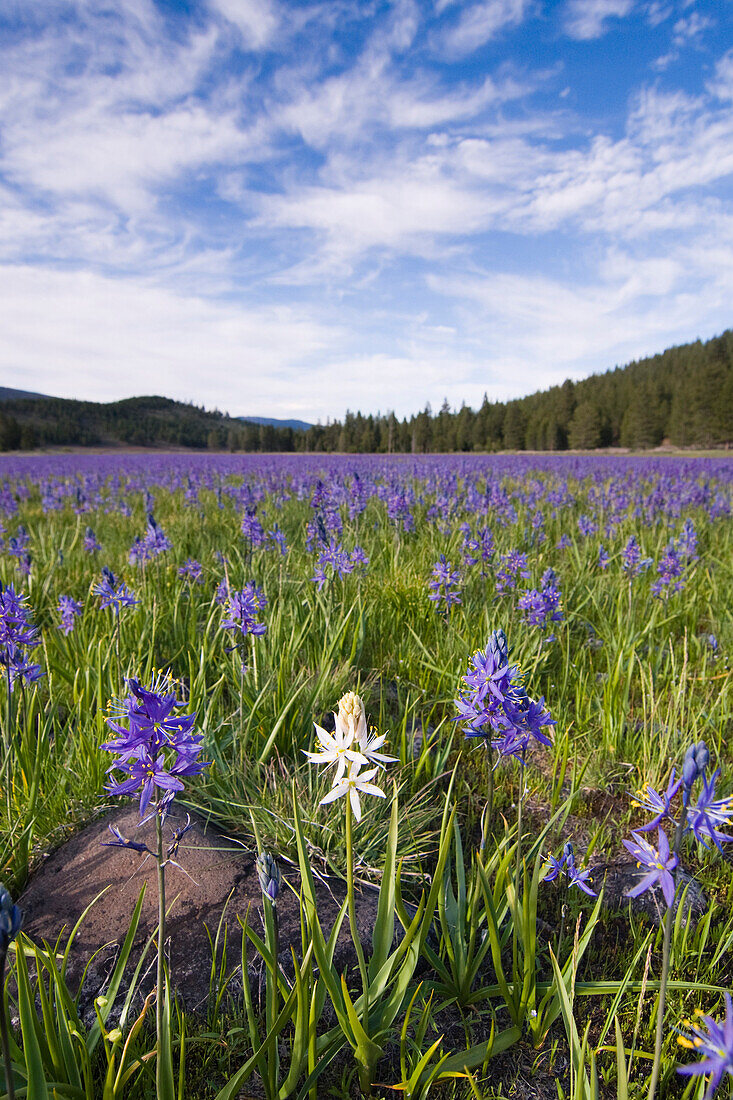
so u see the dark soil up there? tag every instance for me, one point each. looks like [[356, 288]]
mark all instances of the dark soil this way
[[220, 878]]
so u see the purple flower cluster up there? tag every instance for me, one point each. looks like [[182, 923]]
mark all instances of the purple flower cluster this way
[[18, 544], [701, 818], [566, 866], [91, 545], [445, 585], [495, 704], [192, 570], [153, 542], [113, 593], [542, 606], [631, 560], [340, 562], [242, 610], [252, 529], [513, 565], [18, 636], [68, 609], [687, 542], [714, 1042], [672, 566], [478, 548], [155, 745], [671, 570]]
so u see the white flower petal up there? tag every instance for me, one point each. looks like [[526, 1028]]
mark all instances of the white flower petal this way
[[325, 738], [369, 788], [335, 792]]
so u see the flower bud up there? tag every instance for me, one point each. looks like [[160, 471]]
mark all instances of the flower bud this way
[[11, 919], [689, 768], [702, 756], [269, 875], [351, 706], [498, 646], [696, 761]]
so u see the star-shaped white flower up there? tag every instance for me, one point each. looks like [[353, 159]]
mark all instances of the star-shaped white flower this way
[[337, 748], [353, 784], [369, 743]]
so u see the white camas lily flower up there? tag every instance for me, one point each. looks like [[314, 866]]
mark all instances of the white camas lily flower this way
[[337, 748], [353, 784], [351, 715], [369, 747], [349, 747]]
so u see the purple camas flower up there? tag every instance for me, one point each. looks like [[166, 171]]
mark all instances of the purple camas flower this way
[[631, 560], [156, 746], [566, 866], [91, 545], [277, 538], [113, 593], [708, 812], [603, 558], [687, 542], [478, 549], [563, 542], [153, 542], [671, 569], [192, 570], [445, 585], [17, 545], [17, 636], [713, 1041], [586, 526], [252, 529], [659, 863], [68, 610], [512, 565], [542, 606], [495, 704], [334, 557], [242, 610]]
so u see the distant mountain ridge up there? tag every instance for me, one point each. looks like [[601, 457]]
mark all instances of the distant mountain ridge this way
[[296, 425], [30, 420], [7, 394]]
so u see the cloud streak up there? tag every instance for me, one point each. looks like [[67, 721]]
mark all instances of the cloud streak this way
[[304, 207]]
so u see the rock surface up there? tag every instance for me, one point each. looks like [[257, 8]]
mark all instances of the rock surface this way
[[220, 878]]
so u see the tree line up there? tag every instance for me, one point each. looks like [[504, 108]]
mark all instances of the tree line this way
[[683, 395]]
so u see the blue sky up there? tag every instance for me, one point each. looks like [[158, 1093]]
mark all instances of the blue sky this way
[[291, 209]]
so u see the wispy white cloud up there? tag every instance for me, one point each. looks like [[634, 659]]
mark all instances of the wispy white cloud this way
[[478, 23], [104, 338], [339, 204], [256, 20], [585, 19]]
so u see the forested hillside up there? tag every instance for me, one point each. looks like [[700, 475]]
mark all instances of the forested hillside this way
[[139, 421], [684, 395]]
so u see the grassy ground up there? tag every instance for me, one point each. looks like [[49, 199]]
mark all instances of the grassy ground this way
[[630, 679]]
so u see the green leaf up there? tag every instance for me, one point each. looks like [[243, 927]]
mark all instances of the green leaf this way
[[35, 1074], [383, 933]]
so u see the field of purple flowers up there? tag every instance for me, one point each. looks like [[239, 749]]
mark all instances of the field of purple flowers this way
[[518, 671]]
